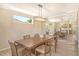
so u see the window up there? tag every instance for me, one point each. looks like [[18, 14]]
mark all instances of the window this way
[[23, 19]]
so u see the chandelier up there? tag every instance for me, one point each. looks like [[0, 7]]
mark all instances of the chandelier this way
[[40, 17]]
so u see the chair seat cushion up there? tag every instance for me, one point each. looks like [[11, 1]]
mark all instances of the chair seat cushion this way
[[43, 49], [19, 47], [50, 44]]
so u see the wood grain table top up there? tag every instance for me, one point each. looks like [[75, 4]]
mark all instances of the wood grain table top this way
[[31, 43]]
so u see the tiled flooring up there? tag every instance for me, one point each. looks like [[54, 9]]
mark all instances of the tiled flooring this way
[[66, 47]]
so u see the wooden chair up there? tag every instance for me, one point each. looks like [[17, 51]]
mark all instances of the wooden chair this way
[[26, 37], [43, 49], [53, 43], [16, 49], [45, 36], [13, 48], [37, 36], [47, 48]]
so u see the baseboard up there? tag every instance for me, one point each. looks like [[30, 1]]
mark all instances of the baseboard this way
[[4, 49]]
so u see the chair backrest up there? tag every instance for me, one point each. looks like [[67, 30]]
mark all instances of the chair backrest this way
[[13, 48], [37, 36], [26, 37], [45, 36]]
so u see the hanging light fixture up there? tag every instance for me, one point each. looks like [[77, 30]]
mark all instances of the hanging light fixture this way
[[54, 20], [40, 18]]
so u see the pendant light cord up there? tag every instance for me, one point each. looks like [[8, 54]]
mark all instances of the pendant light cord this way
[[40, 10]]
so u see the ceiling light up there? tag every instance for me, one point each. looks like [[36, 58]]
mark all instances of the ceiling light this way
[[40, 18], [54, 20]]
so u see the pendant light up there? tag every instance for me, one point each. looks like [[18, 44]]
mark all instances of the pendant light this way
[[40, 18]]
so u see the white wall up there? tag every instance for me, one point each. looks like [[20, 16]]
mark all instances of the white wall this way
[[11, 29]]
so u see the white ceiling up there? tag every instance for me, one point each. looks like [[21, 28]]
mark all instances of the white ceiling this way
[[49, 9]]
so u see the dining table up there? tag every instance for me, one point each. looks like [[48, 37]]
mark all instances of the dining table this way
[[32, 42]]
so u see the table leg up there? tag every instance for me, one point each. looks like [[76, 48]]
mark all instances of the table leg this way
[[30, 52], [55, 45], [50, 50]]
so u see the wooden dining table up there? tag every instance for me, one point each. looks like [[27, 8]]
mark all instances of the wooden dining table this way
[[31, 43]]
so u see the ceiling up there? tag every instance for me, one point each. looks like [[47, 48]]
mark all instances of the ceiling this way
[[49, 9]]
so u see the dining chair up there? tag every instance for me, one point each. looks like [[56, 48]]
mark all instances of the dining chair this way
[[37, 36], [53, 43], [47, 48], [43, 49], [16, 49], [45, 36], [13, 48], [26, 37]]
